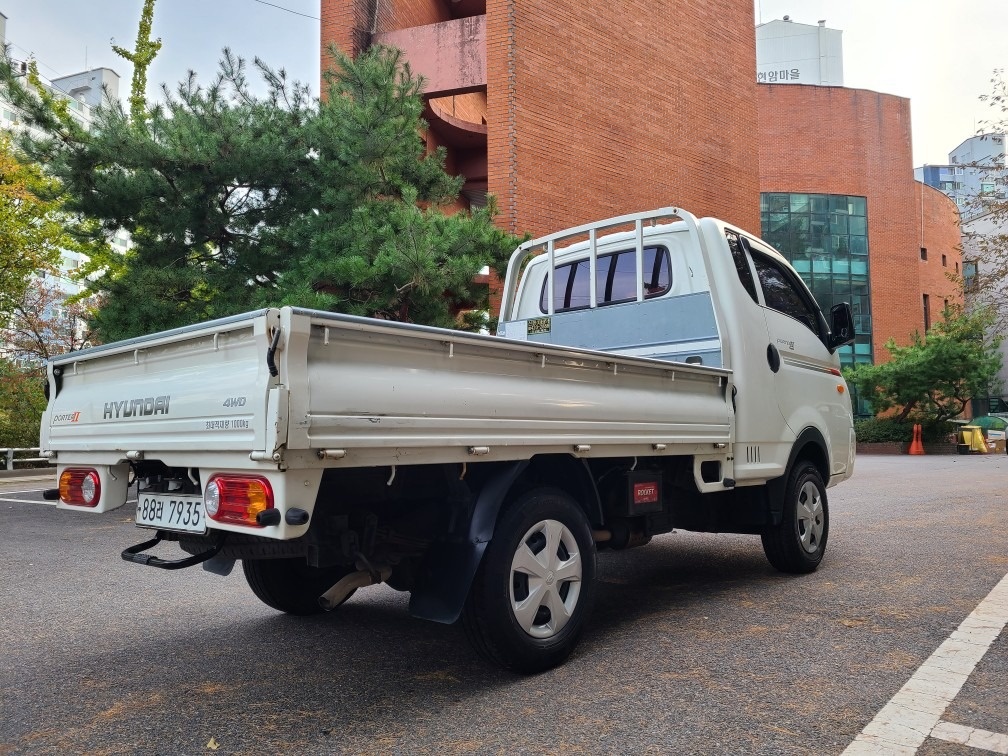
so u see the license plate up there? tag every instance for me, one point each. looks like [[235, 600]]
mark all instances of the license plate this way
[[171, 512]]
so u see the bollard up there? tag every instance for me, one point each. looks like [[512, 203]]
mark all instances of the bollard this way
[[916, 446]]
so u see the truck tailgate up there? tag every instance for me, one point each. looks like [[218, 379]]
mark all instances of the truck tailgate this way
[[200, 388]]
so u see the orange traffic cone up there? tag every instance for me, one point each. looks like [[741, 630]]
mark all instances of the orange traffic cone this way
[[916, 447]]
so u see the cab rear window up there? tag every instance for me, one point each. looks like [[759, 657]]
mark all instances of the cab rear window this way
[[614, 280]]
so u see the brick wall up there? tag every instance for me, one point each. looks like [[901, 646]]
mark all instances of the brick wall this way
[[938, 227], [835, 140], [597, 109], [348, 23]]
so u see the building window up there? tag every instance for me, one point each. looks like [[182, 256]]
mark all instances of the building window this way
[[923, 253], [825, 238], [927, 313], [944, 260], [969, 274], [987, 187]]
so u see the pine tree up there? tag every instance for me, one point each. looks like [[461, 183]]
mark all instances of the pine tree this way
[[235, 201], [379, 244]]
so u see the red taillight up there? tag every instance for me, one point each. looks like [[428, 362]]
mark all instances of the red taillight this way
[[80, 488], [237, 499]]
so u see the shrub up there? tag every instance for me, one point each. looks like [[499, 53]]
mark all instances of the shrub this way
[[876, 430]]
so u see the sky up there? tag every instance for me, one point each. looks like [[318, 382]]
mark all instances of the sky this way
[[940, 54]]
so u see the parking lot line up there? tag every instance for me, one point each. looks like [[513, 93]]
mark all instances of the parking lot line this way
[[915, 712], [994, 742]]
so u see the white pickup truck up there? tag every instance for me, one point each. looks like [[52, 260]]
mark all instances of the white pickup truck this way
[[671, 373]]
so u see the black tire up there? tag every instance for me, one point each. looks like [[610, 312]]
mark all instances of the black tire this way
[[503, 595], [797, 545], [290, 585]]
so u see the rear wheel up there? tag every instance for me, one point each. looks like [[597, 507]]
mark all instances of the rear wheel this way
[[798, 543], [291, 585], [535, 587]]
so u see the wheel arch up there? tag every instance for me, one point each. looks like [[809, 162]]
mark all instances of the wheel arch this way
[[571, 475], [450, 567], [809, 446]]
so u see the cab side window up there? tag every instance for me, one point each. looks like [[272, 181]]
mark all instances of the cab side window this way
[[741, 264], [782, 294]]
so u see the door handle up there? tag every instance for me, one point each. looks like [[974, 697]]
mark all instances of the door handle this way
[[773, 357]]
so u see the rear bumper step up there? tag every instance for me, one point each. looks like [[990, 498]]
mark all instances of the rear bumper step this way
[[135, 554]]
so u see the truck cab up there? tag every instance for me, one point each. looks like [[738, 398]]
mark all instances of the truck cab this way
[[668, 286]]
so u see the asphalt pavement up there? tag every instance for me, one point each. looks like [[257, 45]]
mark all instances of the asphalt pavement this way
[[697, 645]]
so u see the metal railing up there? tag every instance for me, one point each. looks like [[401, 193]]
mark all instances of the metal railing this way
[[15, 456]]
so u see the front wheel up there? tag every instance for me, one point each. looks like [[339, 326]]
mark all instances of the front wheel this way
[[798, 543], [535, 587], [291, 585]]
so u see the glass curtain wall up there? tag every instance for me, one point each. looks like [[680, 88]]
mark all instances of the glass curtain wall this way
[[825, 237]]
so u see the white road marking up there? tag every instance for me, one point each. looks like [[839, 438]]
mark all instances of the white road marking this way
[[33, 490], [904, 723], [970, 736]]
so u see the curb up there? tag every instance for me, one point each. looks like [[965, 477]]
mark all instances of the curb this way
[[44, 472]]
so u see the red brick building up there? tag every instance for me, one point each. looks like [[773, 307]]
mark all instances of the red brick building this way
[[840, 141], [571, 111]]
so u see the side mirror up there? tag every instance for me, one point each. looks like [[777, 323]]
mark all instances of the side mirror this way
[[841, 326]]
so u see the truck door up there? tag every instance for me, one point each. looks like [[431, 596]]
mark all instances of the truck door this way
[[762, 439], [809, 389]]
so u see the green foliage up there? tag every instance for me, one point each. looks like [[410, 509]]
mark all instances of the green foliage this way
[[875, 430], [33, 228], [21, 405], [934, 377], [142, 56], [235, 201], [201, 185], [397, 256]]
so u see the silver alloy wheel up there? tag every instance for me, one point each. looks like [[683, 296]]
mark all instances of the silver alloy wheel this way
[[809, 514], [545, 578]]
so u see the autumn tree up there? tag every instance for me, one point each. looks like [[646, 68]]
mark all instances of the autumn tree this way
[[985, 226], [31, 226], [46, 323]]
